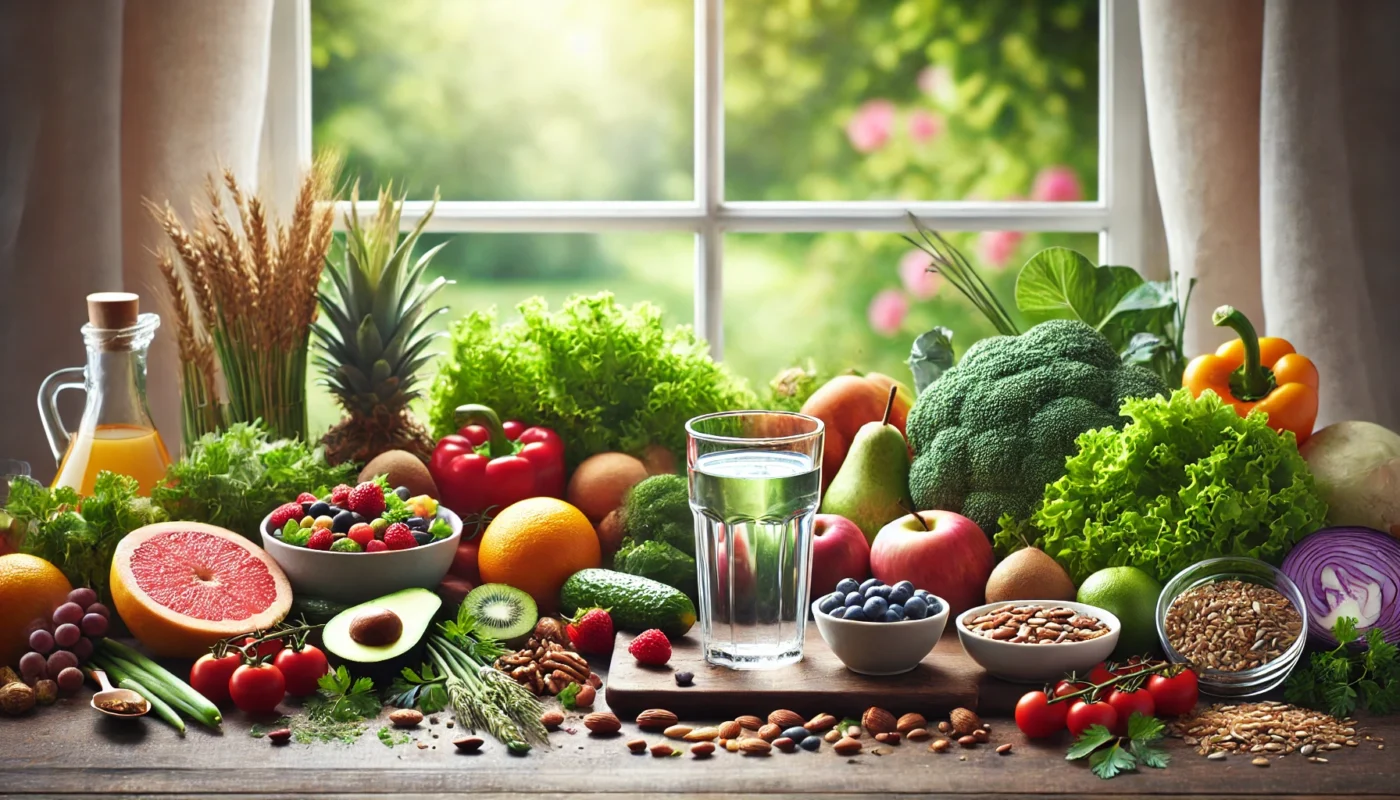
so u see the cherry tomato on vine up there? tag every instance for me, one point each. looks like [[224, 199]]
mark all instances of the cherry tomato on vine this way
[[1069, 687], [1082, 715], [1100, 673], [266, 649], [1038, 718], [1176, 695], [210, 676], [302, 669], [1125, 703], [257, 688]]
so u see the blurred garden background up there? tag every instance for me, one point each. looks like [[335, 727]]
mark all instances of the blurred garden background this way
[[825, 100]]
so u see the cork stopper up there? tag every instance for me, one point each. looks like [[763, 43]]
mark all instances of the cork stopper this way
[[112, 310]]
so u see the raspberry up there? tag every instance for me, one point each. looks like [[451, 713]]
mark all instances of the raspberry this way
[[340, 495], [592, 632], [376, 546], [283, 513], [307, 497], [651, 648], [322, 539], [399, 537], [367, 500], [360, 533]]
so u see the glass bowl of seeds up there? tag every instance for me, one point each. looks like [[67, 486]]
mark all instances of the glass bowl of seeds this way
[[1240, 623]]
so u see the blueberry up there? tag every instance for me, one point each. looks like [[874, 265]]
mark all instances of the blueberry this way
[[342, 522], [797, 733], [916, 608], [320, 508], [847, 585], [882, 591], [899, 609], [417, 524], [837, 613], [900, 595], [875, 608], [893, 616], [333, 510], [905, 585], [934, 607], [922, 593], [812, 743], [869, 582], [402, 492], [422, 538], [855, 599], [357, 518], [306, 508], [830, 603], [855, 614]]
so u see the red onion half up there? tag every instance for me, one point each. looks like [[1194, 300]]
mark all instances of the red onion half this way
[[1348, 572]]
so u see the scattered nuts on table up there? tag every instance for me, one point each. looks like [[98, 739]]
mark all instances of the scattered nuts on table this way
[[749, 722], [468, 744], [786, 719], [637, 745], [730, 730], [847, 746], [602, 723], [406, 717], [702, 749], [552, 719], [656, 719], [878, 720], [963, 721]]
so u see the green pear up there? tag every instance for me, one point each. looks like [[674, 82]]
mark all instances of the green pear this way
[[872, 487]]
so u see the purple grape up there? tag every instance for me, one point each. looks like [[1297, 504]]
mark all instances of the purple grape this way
[[38, 625], [41, 641], [32, 667], [100, 610], [83, 650], [67, 634], [69, 680], [83, 597], [67, 613], [60, 660], [94, 625]]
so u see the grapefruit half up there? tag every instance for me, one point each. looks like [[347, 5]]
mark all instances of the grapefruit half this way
[[182, 586]]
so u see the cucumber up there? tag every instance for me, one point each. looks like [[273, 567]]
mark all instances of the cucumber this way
[[635, 603], [315, 610]]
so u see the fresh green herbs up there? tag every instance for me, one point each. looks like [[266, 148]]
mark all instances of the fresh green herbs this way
[[395, 509], [80, 541], [1122, 753], [462, 633], [343, 699], [480, 695], [568, 696], [424, 689], [391, 738], [1347, 678]]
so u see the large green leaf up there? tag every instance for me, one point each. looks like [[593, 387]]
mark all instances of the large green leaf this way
[[930, 357], [1059, 283]]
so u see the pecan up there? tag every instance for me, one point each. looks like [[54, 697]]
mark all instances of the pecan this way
[[571, 664]]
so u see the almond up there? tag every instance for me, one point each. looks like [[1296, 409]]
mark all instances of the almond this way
[[637, 745], [585, 697], [769, 732], [754, 747], [656, 719], [661, 750], [702, 749], [552, 718], [677, 731], [702, 735], [981, 736], [944, 727], [882, 737], [602, 723], [938, 745], [967, 741], [406, 717], [730, 730], [854, 732], [732, 745], [877, 720], [1004, 749], [917, 735], [909, 722], [964, 721], [785, 744], [468, 744], [821, 722], [749, 722], [847, 746], [833, 735], [786, 719]]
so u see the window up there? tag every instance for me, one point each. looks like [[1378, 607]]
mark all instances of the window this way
[[746, 165]]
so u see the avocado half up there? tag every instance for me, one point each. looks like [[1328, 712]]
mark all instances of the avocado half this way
[[381, 629]]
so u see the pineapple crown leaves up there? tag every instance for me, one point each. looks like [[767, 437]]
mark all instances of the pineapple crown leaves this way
[[374, 333]]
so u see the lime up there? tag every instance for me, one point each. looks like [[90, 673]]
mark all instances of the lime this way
[[1131, 595]]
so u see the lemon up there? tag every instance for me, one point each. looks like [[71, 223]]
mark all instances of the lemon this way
[[1131, 595]]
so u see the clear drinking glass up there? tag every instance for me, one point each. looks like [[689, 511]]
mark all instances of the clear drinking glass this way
[[755, 484]]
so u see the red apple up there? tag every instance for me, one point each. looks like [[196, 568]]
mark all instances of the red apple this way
[[945, 553], [839, 550]]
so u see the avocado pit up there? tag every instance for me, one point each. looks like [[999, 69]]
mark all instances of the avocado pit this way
[[376, 627]]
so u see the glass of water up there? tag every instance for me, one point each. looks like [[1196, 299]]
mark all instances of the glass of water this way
[[755, 484]]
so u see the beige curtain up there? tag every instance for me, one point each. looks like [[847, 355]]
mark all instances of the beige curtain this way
[[102, 103], [1275, 131]]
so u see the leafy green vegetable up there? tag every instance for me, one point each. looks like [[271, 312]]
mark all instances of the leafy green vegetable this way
[[658, 533], [1138, 748], [425, 688], [930, 357], [342, 698], [658, 561], [1187, 479], [1344, 679], [79, 534], [791, 387], [463, 633], [568, 696], [602, 376], [440, 529], [233, 478], [1093, 737]]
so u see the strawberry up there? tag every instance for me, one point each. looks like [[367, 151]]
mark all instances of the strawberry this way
[[340, 495], [322, 539], [592, 632], [367, 500], [399, 537], [361, 534], [376, 546], [307, 497], [284, 513], [651, 648]]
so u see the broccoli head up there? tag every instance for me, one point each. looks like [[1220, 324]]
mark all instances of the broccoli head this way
[[998, 426], [659, 533]]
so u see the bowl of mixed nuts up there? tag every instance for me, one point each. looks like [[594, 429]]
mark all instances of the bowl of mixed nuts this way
[[1034, 641], [1240, 623]]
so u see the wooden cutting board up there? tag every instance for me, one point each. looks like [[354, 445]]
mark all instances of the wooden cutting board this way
[[946, 679]]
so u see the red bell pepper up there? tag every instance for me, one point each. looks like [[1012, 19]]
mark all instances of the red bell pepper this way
[[488, 465]]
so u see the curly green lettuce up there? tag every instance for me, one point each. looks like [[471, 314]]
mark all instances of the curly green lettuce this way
[[1187, 479]]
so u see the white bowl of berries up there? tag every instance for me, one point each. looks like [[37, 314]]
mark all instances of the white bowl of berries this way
[[359, 543]]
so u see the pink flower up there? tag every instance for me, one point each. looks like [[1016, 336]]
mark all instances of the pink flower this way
[[997, 247], [918, 281], [933, 80], [870, 126], [887, 311], [1058, 184], [924, 125]]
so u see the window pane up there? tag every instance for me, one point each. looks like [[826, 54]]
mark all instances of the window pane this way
[[857, 301], [501, 270], [509, 100], [912, 100]]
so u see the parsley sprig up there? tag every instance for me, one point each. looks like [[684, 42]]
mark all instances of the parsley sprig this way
[[342, 698], [424, 688], [1347, 678], [1123, 753]]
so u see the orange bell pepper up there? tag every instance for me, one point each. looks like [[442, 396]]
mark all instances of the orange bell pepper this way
[[1258, 373]]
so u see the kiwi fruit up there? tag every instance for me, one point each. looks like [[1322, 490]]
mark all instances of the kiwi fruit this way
[[401, 468], [502, 611]]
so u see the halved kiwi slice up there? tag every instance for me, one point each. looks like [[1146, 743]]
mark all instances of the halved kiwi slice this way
[[502, 611]]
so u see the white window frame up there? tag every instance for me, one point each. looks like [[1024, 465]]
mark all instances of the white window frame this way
[[1124, 214]]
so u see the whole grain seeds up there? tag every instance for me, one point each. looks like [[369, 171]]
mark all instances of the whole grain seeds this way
[[1232, 625], [1261, 730], [1035, 624]]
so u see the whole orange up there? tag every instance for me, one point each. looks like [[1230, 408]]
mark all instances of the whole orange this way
[[535, 545], [30, 588]]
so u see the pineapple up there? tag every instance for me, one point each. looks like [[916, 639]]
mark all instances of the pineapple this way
[[372, 337]]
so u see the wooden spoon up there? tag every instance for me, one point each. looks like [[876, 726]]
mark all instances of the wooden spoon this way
[[117, 702]]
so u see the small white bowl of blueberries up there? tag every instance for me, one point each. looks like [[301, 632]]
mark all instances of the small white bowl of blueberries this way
[[877, 629]]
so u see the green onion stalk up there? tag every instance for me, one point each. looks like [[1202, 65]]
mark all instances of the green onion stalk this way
[[484, 697]]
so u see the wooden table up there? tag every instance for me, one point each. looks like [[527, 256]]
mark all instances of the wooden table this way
[[70, 751]]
